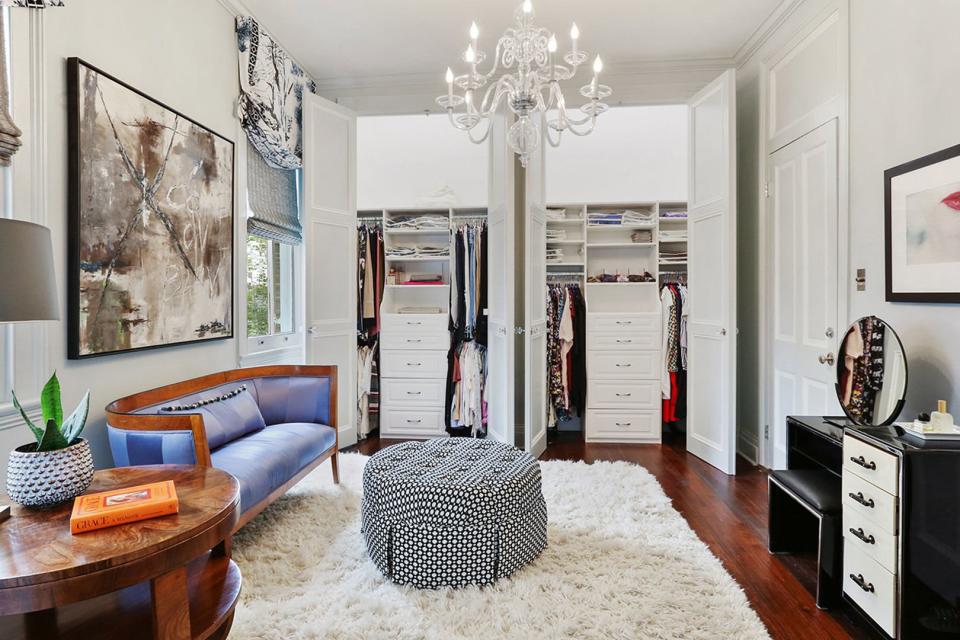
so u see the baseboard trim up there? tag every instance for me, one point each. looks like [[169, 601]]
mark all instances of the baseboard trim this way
[[748, 448]]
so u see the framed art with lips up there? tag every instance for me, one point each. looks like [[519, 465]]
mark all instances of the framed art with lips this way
[[922, 229]]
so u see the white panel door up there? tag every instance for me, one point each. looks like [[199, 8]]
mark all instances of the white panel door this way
[[535, 312], [500, 258], [330, 228], [802, 214], [711, 321]]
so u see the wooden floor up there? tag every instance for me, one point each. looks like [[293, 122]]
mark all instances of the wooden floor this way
[[730, 515]]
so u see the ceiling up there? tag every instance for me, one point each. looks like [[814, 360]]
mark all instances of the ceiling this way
[[358, 39]]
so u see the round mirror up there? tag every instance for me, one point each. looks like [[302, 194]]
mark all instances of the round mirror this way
[[871, 372]]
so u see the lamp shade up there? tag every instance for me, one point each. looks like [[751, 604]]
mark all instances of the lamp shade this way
[[28, 283]]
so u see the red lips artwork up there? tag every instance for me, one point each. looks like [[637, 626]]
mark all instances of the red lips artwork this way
[[952, 201]]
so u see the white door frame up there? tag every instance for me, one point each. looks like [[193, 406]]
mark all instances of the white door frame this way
[[838, 109]]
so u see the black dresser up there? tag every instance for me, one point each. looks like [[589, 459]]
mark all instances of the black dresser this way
[[901, 521]]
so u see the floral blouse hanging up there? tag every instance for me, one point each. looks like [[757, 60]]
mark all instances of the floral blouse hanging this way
[[271, 96]]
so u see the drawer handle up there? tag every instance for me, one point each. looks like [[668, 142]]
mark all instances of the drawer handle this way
[[623, 424], [414, 340], [624, 395], [414, 420], [860, 460], [624, 321], [414, 364], [860, 534], [624, 364], [863, 584], [625, 341], [858, 497], [414, 393], [413, 324]]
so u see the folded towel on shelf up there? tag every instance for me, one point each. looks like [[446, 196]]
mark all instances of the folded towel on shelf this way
[[673, 234], [637, 217], [424, 277], [556, 215], [418, 222], [642, 235], [673, 213], [556, 234]]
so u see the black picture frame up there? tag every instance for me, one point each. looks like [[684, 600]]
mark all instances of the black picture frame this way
[[888, 176], [74, 203]]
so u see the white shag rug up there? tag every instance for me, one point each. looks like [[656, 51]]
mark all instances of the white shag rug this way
[[621, 563]]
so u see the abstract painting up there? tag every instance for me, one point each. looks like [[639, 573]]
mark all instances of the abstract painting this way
[[151, 221], [923, 229]]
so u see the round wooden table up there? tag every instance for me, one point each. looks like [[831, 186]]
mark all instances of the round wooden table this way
[[169, 577]]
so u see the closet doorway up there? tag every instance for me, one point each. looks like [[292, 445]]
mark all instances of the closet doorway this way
[[804, 323]]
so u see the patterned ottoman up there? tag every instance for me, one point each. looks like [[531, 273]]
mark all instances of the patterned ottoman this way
[[452, 512]]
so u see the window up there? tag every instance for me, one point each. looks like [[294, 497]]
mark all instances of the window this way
[[270, 292]]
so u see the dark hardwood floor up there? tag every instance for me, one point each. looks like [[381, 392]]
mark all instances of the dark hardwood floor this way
[[730, 515]]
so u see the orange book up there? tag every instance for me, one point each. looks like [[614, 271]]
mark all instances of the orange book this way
[[120, 506]]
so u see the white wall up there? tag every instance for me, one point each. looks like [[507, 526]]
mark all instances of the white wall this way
[[403, 159], [181, 52], [634, 154], [903, 105]]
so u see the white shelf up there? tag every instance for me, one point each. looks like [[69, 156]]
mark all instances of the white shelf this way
[[621, 284], [417, 286], [416, 232], [629, 227], [671, 240], [567, 221], [417, 258], [564, 241], [565, 264], [608, 245]]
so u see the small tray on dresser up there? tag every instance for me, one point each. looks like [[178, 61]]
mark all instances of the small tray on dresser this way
[[930, 435]]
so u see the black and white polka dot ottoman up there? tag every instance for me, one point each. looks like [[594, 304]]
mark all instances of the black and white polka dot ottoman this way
[[452, 512]]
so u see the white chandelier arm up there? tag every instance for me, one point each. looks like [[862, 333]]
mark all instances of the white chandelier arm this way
[[584, 131], [486, 133], [550, 139]]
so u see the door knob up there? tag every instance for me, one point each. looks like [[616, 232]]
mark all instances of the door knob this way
[[723, 332], [829, 332], [827, 359]]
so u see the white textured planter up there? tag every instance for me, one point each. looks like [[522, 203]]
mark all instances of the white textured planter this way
[[44, 478]]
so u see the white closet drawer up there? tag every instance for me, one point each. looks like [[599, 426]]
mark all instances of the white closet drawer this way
[[407, 392], [413, 364], [621, 366], [622, 425], [624, 323], [639, 394], [872, 464], [865, 535], [411, 422], [438, 341], [414, 323], [870, 586], [863, 498], [625, 342]]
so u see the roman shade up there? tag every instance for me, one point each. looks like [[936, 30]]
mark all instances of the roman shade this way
[[273, 197]]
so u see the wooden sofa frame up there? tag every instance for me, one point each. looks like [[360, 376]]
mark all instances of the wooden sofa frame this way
[[120, 414]]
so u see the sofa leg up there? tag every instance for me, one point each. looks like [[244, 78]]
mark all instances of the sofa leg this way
[[336, 470]]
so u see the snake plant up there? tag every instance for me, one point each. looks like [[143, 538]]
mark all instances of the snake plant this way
[[56, 433]]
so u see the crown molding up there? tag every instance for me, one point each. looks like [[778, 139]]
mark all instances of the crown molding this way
[[765, 31]]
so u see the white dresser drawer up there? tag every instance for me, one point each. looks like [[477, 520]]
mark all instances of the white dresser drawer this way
[[864, 534], [864, 498], [870, 463], [414, 323], [622, 426], [634, 394], [624, 323], [626, 342], [438, 341], [410, 392], [411, 422], [611, 365], [871, 586], [413, 364]]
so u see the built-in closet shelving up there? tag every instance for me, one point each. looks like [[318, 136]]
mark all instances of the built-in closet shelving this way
[[624, 359]]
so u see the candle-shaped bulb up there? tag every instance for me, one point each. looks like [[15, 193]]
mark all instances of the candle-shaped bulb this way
[[474, 31], [574, 32], [597, 65], [449, 76], [471, 55], [552, 43], [527, 6]]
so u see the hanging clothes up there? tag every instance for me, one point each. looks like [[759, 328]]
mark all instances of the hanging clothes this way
[[370, 282], [566, 353], [365, 358], [465, 409], [673, 375]]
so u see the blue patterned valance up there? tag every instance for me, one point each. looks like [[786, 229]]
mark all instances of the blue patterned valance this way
[[271, 96]]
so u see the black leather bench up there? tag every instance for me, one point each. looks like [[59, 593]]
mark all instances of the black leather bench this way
[[805, 515]]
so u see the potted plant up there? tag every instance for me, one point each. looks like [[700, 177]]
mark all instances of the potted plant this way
[[59, 465]]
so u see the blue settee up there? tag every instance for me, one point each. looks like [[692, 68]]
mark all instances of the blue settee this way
[[267, 426]]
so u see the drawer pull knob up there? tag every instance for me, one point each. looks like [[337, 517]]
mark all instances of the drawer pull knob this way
[[414, 393], [863, 584], [624, 321], [414, 364], [414, 340], [860, 460], [414, 420], [413, 324], [626, 341], [624, 395], [624, 424], [624, 364], [858, 497], [860, 534]]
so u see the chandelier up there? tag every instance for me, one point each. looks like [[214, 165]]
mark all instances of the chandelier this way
[[529, 83]]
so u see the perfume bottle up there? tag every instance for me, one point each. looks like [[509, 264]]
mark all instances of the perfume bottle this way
[[940, 420]]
